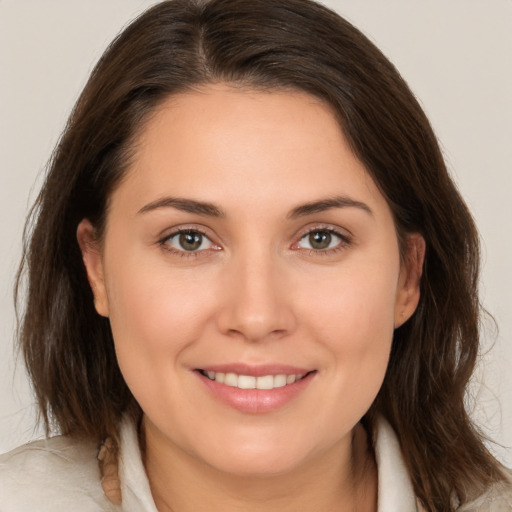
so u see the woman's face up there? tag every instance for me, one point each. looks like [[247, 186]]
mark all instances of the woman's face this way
[[248, 248]]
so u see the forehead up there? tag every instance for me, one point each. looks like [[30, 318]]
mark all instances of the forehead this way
[[234, 145]]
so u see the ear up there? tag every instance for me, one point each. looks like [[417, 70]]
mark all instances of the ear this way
[[408, 293], [93, 261]]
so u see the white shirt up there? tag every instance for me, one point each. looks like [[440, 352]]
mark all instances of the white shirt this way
[[62, 475]]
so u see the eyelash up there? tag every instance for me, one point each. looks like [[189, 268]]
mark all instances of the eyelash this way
[[345, 241]]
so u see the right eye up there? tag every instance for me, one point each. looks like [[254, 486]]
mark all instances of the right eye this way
[[188, 241]]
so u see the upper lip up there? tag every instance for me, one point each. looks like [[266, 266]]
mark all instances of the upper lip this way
[[255, 370]]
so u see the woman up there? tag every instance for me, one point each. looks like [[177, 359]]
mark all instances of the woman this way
[[251, 281]]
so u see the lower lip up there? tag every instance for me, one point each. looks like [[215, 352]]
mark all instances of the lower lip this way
[[256, 401]]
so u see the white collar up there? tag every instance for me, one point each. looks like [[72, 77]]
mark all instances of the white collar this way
[[395, 491]]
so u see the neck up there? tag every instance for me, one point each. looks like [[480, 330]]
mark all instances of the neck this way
[[344, 479]]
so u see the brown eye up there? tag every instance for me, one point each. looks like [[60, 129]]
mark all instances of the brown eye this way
[[321, 240], [189, 241]]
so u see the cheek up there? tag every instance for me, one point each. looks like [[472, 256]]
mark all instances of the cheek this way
[[357, 304], [154, 318], [354, 322], [149, 301]]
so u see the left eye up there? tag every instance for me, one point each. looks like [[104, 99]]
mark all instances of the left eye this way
[[319, 240], [189, 241]]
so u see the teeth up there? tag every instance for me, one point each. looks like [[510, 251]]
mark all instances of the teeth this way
[[279, 381], [231, 379], [265, 382], [251, 382], [246, 382]]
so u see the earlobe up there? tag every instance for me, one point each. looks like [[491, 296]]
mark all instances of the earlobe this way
[[92, 258], [408, 294]]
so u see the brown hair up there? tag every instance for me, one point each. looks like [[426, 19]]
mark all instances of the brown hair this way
[[264, 44]]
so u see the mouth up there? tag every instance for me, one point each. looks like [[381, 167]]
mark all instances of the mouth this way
[[255, 390], [263, 382]]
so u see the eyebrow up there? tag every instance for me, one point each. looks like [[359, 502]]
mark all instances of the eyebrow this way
[[211, 210], [185, 205], [327, 204]]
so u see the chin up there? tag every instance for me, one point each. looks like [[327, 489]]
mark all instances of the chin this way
[[259, 466], [255, 458]]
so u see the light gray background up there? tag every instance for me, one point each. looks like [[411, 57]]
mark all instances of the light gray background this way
[[456, 56]]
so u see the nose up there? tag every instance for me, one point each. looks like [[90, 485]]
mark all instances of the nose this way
[[256, 302]]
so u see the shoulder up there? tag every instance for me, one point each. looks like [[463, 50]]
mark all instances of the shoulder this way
[[497, 499], [395, 487], [58, 474]]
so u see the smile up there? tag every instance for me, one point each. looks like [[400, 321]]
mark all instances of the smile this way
[[266, 382], [255, 389]]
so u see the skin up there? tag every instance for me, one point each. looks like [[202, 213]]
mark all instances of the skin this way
[[256, 292]]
